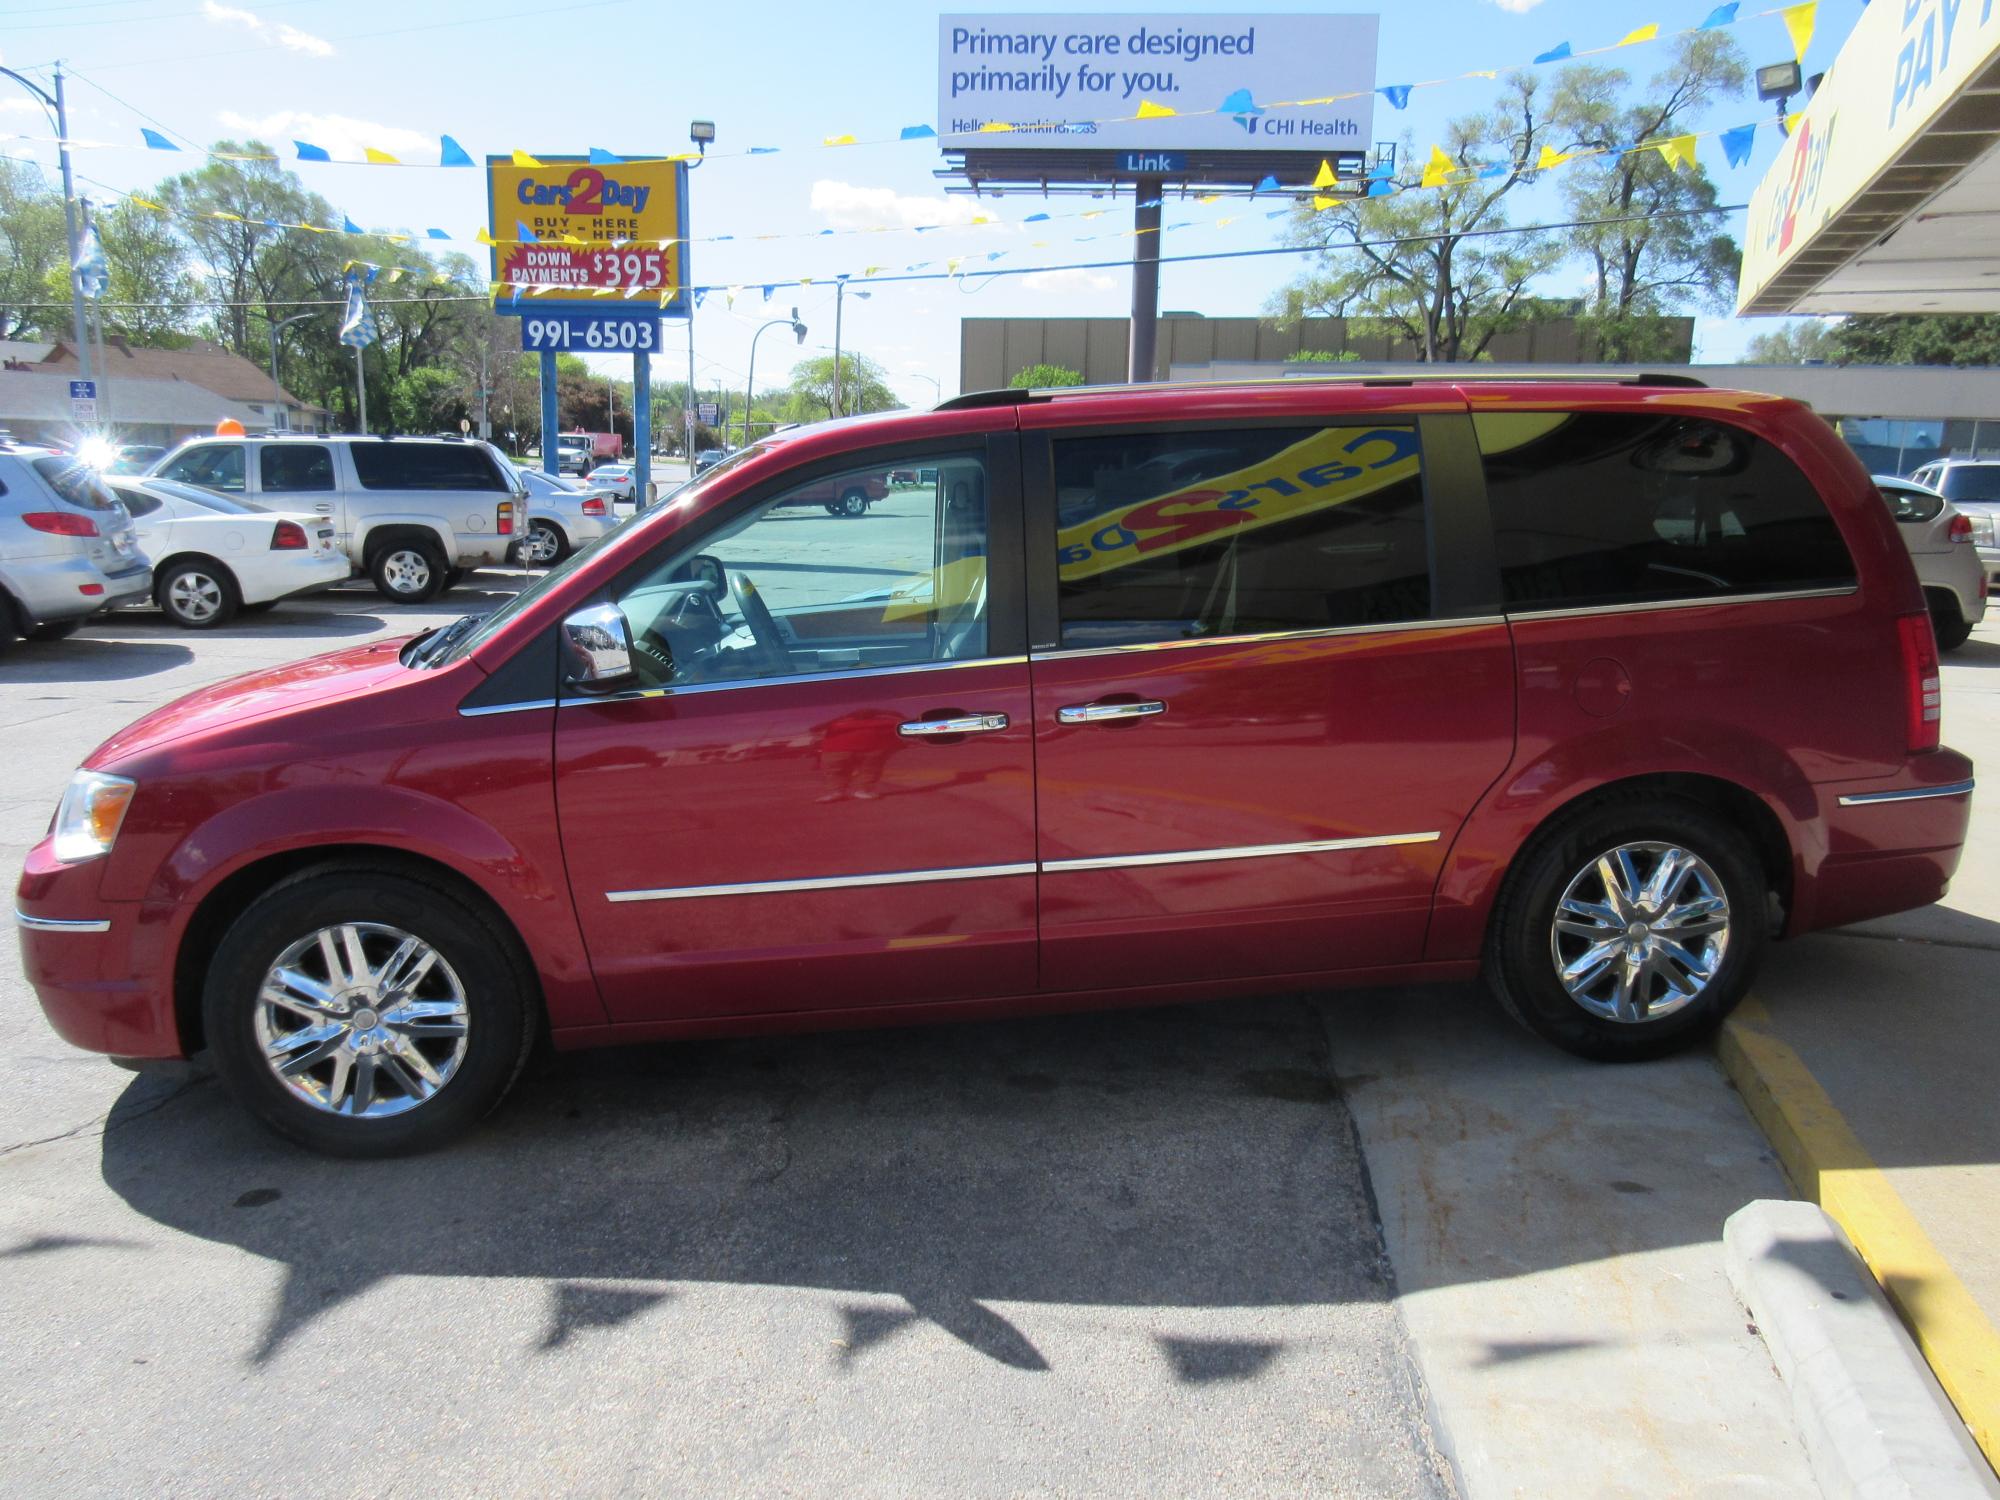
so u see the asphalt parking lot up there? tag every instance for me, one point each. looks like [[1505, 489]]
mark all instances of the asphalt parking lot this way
[[1377, 1243]]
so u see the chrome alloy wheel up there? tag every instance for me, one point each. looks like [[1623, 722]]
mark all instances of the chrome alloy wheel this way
[[539, 546], [362, 1019], [1640, 932], [407, 571], [194, 597]]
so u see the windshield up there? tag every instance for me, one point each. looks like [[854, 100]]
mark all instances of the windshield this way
[[687, 494], [1971, 482]]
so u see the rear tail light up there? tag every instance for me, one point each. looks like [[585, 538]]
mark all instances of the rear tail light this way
[[1923, 688], [288, 536], [593, 506], [60, 523], [506, 521], [1960, 529], [90, 590]]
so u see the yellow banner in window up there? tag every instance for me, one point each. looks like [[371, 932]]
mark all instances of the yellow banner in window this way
[[1333, 466]]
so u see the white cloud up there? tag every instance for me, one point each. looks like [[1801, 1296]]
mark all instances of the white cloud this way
[[1069, 279], [289, 37], [846, 206], [1518, 7], [343, 136]]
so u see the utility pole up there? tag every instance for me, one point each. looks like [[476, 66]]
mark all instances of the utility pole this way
[[1144, 345], [59, 117], [277, 390], [360, 391], [839, 291]]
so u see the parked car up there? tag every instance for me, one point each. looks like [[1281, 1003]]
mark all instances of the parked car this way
[[1939, 537], [134, 458], [563, 514], [844, 495], [708, 458], [1973, 486], [618, 478], [412, 514], [214, 554], [1590, 686], [67, 551]]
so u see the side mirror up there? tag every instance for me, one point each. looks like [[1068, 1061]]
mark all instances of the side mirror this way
[[705, 569], [597, 649]]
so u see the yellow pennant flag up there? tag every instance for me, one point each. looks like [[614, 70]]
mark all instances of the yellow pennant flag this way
[[952, 263], [1482, 73], [1148, 110], [1792, 120], [1643, 34], [379, 158], [232, 218], [522, 159], [1550, 157], [982, 219], [1225, 223], [871, 270], [1678, 151], [482, 238], [1323, 202], [1799, 20], [1216, 197], [147, 203], [666, 295], [1325, 178], [730, 294], [838, 140], [1095, 213], [1438, 170], [994, 127], [395, 274]]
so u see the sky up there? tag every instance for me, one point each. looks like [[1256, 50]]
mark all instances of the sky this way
[[629, 76]]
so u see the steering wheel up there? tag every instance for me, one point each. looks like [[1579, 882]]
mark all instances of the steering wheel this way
[[763, 626]]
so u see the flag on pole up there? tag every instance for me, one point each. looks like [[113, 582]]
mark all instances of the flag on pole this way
[[357, 324], [93, 271]]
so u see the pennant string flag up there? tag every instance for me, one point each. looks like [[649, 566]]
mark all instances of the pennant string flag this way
[[1398, 94], [1644, 33], [1736, 144], [1799, 20], [1555, 54], [379, 158], [309, 152], [1722, 15], [1438, 170], [157, 142], [451, 154], [1677, 151]]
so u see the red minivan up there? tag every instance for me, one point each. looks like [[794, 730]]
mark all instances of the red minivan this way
[[1588, 686]]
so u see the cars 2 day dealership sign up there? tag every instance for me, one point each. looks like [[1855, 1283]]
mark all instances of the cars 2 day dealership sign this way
[[566, 222], [1078, 81]]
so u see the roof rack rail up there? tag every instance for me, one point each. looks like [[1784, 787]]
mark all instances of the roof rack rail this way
[[1422, 375], [970, 400]]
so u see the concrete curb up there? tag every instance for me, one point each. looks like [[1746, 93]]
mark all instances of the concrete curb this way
[[1875, 1424]]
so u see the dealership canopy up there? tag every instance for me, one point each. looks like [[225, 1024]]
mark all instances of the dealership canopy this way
[[1886, 196]]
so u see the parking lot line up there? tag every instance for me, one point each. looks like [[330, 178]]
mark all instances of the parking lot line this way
[[1828, 1164]]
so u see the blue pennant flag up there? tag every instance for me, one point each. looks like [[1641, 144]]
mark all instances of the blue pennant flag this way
[[525, 235], [1498, 169], [93, 271], [1381, 189], [437, 234], [157, 141], [1398, 94], [1267, 185], [767, 293], [451, 154], [350, 227], [1035, 219], [917, 133], [357, 324], [1242, 107], [1555, 54], [995, 254], [599, 157], [1722, 15], [763, 151], [1277, 213], [309, 152], [1736, 143]]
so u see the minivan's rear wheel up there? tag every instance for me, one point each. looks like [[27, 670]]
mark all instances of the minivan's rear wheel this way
[[196, 595], [1948, 622], [367, 1013], [408, 572], [1629, 931], [854, 503]]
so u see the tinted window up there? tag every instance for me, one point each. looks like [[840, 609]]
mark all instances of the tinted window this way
[[1176, 536], [76, 482], [288, 468], [789, 589], [1911, 505], [1971, 482], [424, 466], [136, 502], [1628, 508], [219, 466]]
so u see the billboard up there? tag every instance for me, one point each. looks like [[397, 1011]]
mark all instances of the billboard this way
[[1077, 81], [612, 226]]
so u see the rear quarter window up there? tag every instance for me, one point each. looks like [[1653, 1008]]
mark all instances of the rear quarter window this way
[[1603, 508], [76, 482], [425, 466]]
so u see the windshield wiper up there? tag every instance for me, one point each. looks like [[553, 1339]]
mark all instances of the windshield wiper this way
[[433, 646]]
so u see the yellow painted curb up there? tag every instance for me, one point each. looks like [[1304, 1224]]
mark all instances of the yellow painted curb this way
[[1829, 1165]]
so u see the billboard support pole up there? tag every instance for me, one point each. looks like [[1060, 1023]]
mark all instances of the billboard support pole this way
[[688, 409], [642, 427], [551, 419], [1145, 280]]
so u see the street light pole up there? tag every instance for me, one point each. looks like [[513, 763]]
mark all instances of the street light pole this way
[[937, 385], [839, 291], [60, 115], [750, 383], [277, 390]]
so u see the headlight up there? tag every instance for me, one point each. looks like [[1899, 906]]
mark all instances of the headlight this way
[[92, 810]]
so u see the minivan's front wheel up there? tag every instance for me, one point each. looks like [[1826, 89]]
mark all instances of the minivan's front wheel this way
[[367, 1013], [1630, 931], [408, 572]]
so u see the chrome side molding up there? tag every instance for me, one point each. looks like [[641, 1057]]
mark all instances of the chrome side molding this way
[[1908, 794], [58, 924]]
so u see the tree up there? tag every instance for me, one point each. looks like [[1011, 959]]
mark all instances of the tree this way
[[1321, 357], [864, 386], [1659, 248], [427, 399], [1044, 377], [33, 245], [1797, 344], [230, 210], [1961, 339], [1421, 263], [149, 264]]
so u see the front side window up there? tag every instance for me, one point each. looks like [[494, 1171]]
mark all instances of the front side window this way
[[1166, 536], [390, 465], [798, 585], [1599, 508], [215, 466], [295, 468]]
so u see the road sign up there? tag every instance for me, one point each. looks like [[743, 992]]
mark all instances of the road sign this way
[[579, 227], [83, 402], [592, 333], [706, 410]]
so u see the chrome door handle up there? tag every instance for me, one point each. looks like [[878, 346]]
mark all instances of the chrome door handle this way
[[1098, 713], [918, 729]]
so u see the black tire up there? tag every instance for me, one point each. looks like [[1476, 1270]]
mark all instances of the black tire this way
[[407, 571], [854, 503], [453, 577], [1950, 626], [262, 606], [832, 509], [501, 1002], [1519, 961], [53, 630], [196, 594], [11, 623]]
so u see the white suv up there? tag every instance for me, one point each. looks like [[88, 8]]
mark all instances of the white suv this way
[[412, 513], [1973, 485], [67, 548]]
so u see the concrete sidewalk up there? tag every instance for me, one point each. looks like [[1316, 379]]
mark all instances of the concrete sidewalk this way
[[1870, 1054]]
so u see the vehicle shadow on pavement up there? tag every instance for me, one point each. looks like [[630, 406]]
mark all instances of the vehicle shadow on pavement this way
[[82, 659], [1974, 653], [1193, 1157]]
